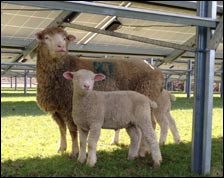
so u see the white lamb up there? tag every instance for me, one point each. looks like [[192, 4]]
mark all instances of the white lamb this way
[[93, 110], [163, 117]]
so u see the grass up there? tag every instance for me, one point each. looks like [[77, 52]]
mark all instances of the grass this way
[[29, 139]]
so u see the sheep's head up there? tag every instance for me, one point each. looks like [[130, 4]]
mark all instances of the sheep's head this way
[[54, 41], [84, 79]]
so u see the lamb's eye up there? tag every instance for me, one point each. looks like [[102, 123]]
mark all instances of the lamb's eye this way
[[64, 38], [46, 37]]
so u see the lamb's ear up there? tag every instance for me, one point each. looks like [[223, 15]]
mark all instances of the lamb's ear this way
[[71, 38], [39, 36], [68, 75], [99, 77]]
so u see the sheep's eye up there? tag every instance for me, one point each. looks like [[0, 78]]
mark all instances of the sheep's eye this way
[[46, 37], [65, 38]]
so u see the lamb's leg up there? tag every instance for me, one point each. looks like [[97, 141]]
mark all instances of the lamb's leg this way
[[93, 138], [62, 128], [82, 137], [173, 128], [164, 126], [115, 139], [135, 138], [149, 135], [73, 132], [144, 148]]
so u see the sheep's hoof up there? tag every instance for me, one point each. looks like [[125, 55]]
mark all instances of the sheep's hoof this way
[[73, 154], [114, 143], [61, 149], [161, 143], [177, 141]]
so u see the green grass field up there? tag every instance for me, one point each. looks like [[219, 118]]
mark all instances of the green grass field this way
[[29, 140]]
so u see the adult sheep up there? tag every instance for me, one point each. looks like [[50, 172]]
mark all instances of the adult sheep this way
[[54, 92]]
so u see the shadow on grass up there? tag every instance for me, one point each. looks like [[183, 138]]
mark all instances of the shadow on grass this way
[[20, 108], [13, 95], [188, 103], [176, 162]]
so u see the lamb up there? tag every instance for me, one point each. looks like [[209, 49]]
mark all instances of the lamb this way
[[53, 60], [163, 117], [93, 110]]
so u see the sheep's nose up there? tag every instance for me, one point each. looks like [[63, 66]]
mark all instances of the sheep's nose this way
[[61, 46], [87, 87]]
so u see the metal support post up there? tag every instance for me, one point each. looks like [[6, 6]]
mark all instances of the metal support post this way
[[30, 82], [11, 82], [188, 81], [25, 81], [203, 95], [221, 83], [15, 82]]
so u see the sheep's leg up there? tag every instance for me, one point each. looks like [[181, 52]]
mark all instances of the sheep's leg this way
[[73, 132], [135, 138], [149, 135], [115, 139], [153, 120], [173, 128], [82, 137], [62, 128], [93, 138]]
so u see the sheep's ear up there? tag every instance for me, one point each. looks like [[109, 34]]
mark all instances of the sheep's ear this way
[[39, 36], [68, 75], [71, 38], [99, 77]]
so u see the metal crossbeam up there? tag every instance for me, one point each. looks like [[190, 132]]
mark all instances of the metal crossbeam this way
[[177, 53], [184, 4], [134, 13], [131, 37], [217, 37]]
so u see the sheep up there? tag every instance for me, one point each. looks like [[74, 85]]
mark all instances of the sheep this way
[[163, 117], [93, 110], [53, 60]]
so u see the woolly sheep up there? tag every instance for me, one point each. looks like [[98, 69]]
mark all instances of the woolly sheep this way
[[53, 91], [163, 117], [93, 110]]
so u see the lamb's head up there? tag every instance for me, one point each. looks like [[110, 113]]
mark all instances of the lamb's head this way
[[54, 41], [84, 79]]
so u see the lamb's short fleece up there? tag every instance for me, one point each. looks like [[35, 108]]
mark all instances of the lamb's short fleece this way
[[163, 117], [93, 110]]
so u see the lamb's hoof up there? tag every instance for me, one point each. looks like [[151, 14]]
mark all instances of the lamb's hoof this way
[[156, 164], [90, 163], [132, 157], [177, 141], [82, 160]]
